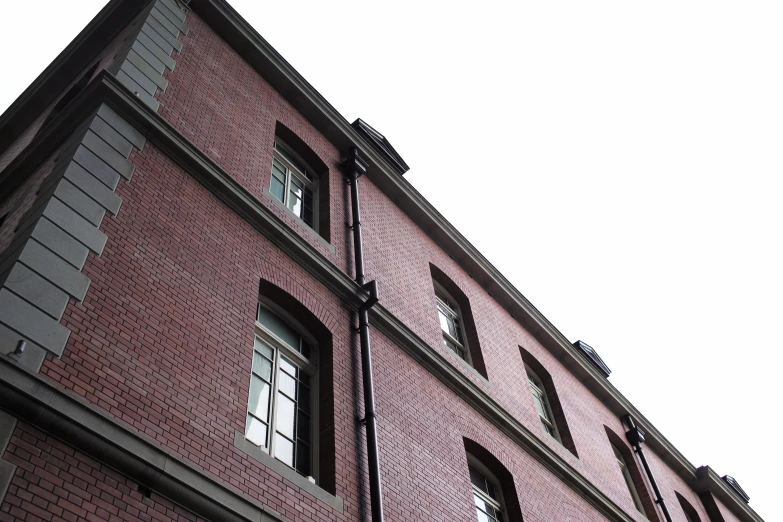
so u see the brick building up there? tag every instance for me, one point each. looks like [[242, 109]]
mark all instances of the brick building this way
[[198, 326]]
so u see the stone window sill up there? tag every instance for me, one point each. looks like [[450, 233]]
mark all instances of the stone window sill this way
[[253, 451]]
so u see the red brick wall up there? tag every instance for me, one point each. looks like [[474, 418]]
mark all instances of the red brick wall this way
[[221, 104], [55, 483], [164, 338]]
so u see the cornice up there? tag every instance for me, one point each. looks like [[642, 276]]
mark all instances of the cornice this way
[[254, 49], [220, 183], [66, 67], [275, 69]]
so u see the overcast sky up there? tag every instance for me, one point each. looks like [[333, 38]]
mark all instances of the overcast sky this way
[[620, 162]]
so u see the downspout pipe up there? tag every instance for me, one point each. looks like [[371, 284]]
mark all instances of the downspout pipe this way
[[353, 167], [635, 436]]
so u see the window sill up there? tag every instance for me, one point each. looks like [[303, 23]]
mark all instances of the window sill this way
[[469, 367], [299, 220], [253, 451]]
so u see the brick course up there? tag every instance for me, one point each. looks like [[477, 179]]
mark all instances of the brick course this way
[[163, 340]]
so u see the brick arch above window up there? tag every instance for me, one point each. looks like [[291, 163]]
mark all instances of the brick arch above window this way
[[482, 460], [552, 400], [447, 290], [637, 480], [295, 149]]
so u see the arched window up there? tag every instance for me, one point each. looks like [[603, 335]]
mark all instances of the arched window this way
[[280, 412], [458, 329], [690, 513], [300, 180], [632, 476], [546, 401], [494, 494]]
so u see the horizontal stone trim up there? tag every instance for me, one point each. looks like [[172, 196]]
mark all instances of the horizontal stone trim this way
[[156, 50], [38, 291], [54, 269], [288, 473], [159, 40], [167, 24], [123, 127], [61, 414], [169, 38], [33, 354], [148, 70], [154, 62], [31, 323], [58, 241], [76, 226], [171, 16], [93, 188], [111, 136], [174, 7], [139, 77], [138, 90], [98, 168], [80, 202], [108, 155]]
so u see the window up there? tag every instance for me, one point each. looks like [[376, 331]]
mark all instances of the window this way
[[459, 333], [486, 494], [451, 324], [542, 404], [280, 411], [294, 184], [628, 479], [690, 513]]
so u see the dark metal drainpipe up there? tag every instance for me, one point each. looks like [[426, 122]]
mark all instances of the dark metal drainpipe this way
[[353, 167], [635, 436]]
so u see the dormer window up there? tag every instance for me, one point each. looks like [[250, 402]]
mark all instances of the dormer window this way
[[294, 184]]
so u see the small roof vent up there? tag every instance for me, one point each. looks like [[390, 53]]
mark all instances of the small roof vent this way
[[381, 145], [733, 484], [589, 353]]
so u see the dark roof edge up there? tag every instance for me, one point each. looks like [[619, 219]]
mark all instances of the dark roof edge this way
[[304, 97], [65, 68], [709, 481]]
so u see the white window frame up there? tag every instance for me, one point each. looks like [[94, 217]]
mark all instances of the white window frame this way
[[296, 167], [537, 388], [499, 503], [444, 300], [308, 365], [628, 480]]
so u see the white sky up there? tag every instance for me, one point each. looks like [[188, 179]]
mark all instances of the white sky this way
[[618, 161]]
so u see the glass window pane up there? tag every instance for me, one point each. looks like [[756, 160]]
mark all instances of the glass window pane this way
[[307, 216], [277, 188], [295, 204], [258, 404], [286, 412], [445, 321], [287, 385], [304, 397], [287, 367], [477, 479], [284, 450], [303, 459], [262, 366], [278, 327], [262, 347], [297, 187], [255, 431], [303, 427]]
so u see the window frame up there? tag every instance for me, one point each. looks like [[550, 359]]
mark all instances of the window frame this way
[[500, 503], [295, 167], [308, 365], [629, 483], [445, 300], [536, 385]]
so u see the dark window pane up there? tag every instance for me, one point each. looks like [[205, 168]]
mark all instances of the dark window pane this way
[[304, 398], [303, 427], [303, 459], [278, 327], [277, 189]]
